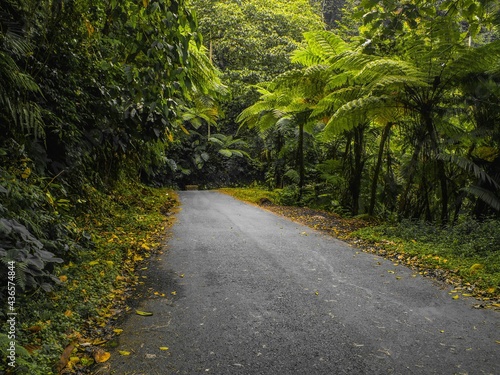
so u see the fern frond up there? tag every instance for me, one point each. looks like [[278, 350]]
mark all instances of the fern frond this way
[[315, 70], [476, 60], [486, 196], [336, 99], [268, 119], [470, 167], [336, 81], [352, 61], [14, 77], [385, 82], [386, 67], [306, 57], [353, 113], [286, 79], [321, 46], [326, 105]]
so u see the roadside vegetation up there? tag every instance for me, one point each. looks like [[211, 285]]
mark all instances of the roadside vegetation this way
[[69, 326]]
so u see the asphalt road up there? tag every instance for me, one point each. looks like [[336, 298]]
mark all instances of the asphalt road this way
[[259, 294]]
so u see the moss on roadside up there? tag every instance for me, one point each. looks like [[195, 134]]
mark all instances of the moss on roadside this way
[[253, 195]]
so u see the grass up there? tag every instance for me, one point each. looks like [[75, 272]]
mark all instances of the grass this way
[[124, 227], [252, 195]]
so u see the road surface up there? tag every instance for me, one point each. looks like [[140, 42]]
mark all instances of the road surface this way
[[248, 292]]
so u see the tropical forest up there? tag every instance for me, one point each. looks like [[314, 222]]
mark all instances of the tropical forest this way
[[382, 114]]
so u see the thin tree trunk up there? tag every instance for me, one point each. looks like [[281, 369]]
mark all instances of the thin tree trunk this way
[[403, 204], [441, 169], [300, 156], [279, 163], [358, 167], [378, 166]]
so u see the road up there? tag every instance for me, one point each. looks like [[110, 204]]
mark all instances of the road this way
[[254, 293]]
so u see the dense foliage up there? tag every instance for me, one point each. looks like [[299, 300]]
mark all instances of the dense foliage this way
[[90, 91], [399, 119], [249, 42]]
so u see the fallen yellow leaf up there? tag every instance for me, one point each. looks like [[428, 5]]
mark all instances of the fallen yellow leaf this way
[[476, 267], [118, 331], [163, 347], [123, 352], [455, 296], [174, 293], [143, 313], [101, 356]]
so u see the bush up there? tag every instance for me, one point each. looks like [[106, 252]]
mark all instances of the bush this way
[[34, 232], [288, 196], [33, 264]]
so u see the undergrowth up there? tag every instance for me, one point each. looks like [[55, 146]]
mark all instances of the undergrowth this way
[[469, 250], [121, 229]]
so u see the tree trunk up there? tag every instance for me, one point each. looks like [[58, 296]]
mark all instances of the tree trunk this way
[[378, 167], [404, 202], [440, 168], [300, 157], [278, 176], [355, 184]]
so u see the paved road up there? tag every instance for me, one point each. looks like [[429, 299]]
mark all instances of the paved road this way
[[263, 295]]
